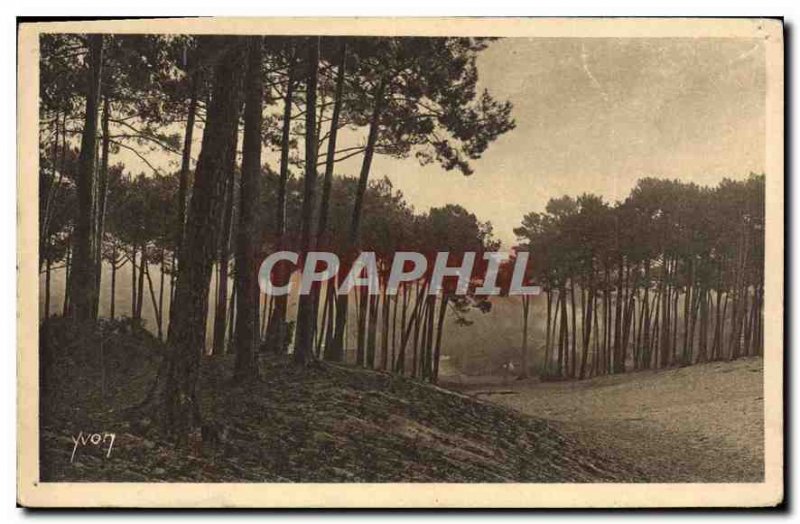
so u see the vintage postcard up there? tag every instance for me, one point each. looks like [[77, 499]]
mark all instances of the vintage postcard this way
[[413, 263]]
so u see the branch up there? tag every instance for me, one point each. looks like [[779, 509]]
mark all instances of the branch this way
[[146, 136], [135, 152]]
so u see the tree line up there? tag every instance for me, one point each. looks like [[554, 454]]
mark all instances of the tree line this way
[[672, 275]]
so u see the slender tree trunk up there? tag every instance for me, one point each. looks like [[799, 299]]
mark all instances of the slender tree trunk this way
[[47, 288], [587, 323], [596, 356], [161, 298], [53, 184], [437, 354], [361, 336], [574, 340], [646, 314], [304, 337], [526, 303], [221, 310], [428, 346], [385, 310], [393, 358], [687, 304], [717, 315], [400, 363], [664, 322], [547, 353], [675, 297], [276, 327], [114, 263], [246, 334], [355, 223], [140, 284], [619, 365], [322, 332], [186, 163], [102, 196], [417, 319], [331, 352], [156, 310], [629, 308], [133, 280], [563, 351], [231, 318], [372, 330]]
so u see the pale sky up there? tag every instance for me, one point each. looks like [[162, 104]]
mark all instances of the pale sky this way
[[594, 115]]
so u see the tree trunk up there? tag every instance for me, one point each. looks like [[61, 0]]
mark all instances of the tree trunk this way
[[161, 297], [619, 365], [133, 280], [140, 284], [82, 280], [246, 274], [547, 352], [276, 327], [574, 351], [385, 311], [372, 330], [47, 288], [102, 195], [393, 357], [563, 352], [304, 337], [437, 352], [428, 346], [221, 311], [355, 223], [186, 164], [67, 281], [156, 309], [687, 307], [587, 322], [361, 340], [181, 412], [526, 303], [114, 263], [332, 352], [400, 362], [664, 321]]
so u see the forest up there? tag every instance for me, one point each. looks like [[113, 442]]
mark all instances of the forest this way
[[670, 276]]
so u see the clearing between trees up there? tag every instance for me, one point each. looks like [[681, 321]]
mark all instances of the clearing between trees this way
[[702, 423]]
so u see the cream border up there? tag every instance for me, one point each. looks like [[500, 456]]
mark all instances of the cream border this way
[[33, 494]]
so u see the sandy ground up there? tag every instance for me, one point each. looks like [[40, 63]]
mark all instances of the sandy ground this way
[[701, 423]]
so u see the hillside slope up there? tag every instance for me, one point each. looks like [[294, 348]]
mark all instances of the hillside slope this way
[[326, 423]]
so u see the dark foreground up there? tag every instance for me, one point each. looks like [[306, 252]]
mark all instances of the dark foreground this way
[[326, 423]]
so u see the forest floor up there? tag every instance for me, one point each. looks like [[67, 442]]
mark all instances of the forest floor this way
[[701, 423], [324, 423]]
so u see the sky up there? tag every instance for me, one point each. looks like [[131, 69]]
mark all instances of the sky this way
[[593, 115]]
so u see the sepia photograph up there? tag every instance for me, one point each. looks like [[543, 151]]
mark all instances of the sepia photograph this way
[[464, 262]]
